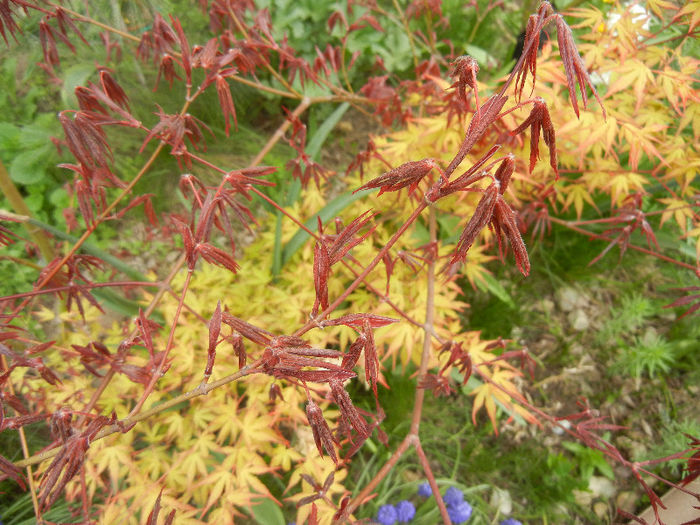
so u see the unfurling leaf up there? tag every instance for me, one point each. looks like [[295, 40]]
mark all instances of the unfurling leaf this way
[[531, 44], [68, 462], [226, 102], [505, 220], [321, 431], [322, 269], [346, 238], [574, 67], [358, 320], [113, 90], [153, 515], [482, 216], [371, 358], [539, 119], [504, 172], [255, 334], [464, 69], [347, 409], [352, 356], [214, 330], [8, 470], [407, 175], [217, 256]]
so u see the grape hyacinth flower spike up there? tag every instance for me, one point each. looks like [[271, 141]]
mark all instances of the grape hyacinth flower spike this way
[[424, 490], [387, 515], [405, 511]]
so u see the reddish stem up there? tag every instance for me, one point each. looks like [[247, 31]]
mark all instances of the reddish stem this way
[[600, 237], [311, 324], [91, 286]]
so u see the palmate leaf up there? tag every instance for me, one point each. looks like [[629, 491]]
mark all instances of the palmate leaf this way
[[115, 460], [588, 131], [642, 139], [257, 429], [693, 9], [284, 457], [484, 398], [499, 391], [220, 482], [250, 476], [680, 210], [318, 470], [623, 184], [634, 73], [576, 194], [474, 269]]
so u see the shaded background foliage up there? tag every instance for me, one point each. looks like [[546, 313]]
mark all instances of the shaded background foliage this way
[[127, 467]]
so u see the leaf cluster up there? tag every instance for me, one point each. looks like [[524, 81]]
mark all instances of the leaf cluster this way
[[241, 394]]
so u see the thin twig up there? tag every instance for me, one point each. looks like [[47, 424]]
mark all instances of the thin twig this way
[[127, 422], [25, 451]]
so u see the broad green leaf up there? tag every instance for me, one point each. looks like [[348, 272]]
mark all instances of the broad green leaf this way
[[483, 57], [29, 167], [9, 134], [321, 134], [450, 228], [267, 513], [75, 76], [117, 303], [38, 133], [488, 283]]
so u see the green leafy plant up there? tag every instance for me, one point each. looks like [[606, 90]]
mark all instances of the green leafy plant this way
[[634, 310], [672, 435], [649, 355], [589, 461]]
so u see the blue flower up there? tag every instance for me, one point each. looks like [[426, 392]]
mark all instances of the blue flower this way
[[453, 496], [425, 490], [405, 511], [510, 521], [460, 512], [387, 515]]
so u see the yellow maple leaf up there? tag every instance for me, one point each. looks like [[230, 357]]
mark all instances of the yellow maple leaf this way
[[576, 194], [692, 8], [474, 268], [256, 428], [501, 389], [483, 397], [283, 457], [319, 469], [680, 210], [632, 72], [115, 459], [695, 232], [641, 139], [657, 7], [622, 184]]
